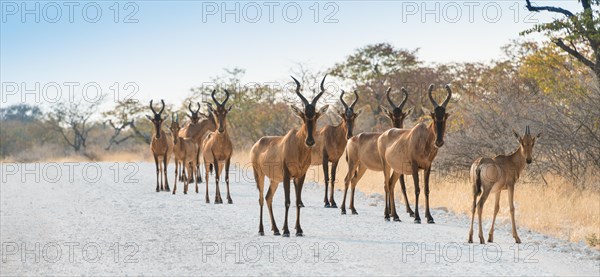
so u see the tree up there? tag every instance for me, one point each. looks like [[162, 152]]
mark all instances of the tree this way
[[123, 118], [72, 121], [576, 33]]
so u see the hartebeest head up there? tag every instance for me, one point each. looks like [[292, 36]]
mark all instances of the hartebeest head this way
[[157, 120], [439, 116], [348, 115], [397, 115], [527, 141], [221, 112], [194, 115], [310, 115], [175, 127]]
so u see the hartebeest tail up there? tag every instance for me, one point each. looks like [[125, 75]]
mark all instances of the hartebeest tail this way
[[361, 150], [218, 149], [331, 143], [283, 158], [161, 147], [406, 151], [493, 175]]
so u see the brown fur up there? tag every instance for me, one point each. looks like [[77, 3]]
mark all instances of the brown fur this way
[[493, 175], [161, 147], [198, 130], [283, 158], [361, 151], [185, 151], [331, 143], [406, 151], [218, 149]]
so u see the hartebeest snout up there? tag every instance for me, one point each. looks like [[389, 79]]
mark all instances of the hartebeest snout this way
[[493, 175], [283, 158]]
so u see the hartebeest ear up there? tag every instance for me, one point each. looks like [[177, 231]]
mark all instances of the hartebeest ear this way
[[358, 112], [538, 135], [323, 109], [409, 111], [202, 114], [189, 115], [297, 112], [229, 109], [516, 135], [386, 112], [149, 118]]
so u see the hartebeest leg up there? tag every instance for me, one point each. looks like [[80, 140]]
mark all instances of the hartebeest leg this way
[[392, 184], [415, 174], [511, 194], [473, 207], [349, 176], [298, 182], [186, 182], [359, 174], [206, 171], [217, 168], [199, 179], [480, 204], [176, 176], [496, 209], [260, 184], [427, 212], [326, 174], [157, 172], [333, 172], [165, 161], [403, 187], [286, 189], [269, 197], [227, 163], [386, 186]]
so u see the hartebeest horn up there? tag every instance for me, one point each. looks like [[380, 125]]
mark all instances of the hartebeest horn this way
[[527, 132], [405, 98], [448, 97], [342, 100], [177, 118], [152, 107], [355, 99], [226, 97], [304, 101], [314, 101], [213, 97], [387, 94], [163, 107], [198, 109], [435, 104], [190, 107]]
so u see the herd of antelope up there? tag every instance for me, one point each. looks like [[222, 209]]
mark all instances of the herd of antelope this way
[[396, 152]]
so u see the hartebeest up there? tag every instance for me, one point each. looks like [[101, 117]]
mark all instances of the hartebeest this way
[[361, 150], [185, 151], [330, 145], [197, 130], [493, 175], [406, 151], [217, 148], [161, 146], [282, 158]]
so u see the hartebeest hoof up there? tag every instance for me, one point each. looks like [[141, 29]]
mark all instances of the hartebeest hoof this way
[[353, 211], [517, 240], [481, 240], [276, 233], [417, 221], [411, 213], [490, 240], [301, 205], [327, 205], [299, 234], [430, 221], [470, 240], [343, 211], [387, 218], [261, 233], [157, 190], [397, 219], [334, 205], [229, 201]]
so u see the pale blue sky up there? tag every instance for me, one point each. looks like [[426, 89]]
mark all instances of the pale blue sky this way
[[173, 48]]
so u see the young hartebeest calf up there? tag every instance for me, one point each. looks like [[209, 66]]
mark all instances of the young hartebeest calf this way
[[361, 150], [161, 146], [184, 150], [197, 130], [217, 148], [493, 175], [282, 158], [406, 151], [331, 142]]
